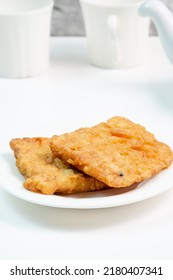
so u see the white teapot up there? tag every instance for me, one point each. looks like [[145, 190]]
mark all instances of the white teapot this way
[[163, 20]]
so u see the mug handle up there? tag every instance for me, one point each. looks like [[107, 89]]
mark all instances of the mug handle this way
[[113, 26]]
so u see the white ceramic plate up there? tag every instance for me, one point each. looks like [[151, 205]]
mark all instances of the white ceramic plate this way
[[12, 180]]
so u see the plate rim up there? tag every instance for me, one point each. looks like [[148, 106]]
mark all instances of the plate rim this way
[[101, 201]]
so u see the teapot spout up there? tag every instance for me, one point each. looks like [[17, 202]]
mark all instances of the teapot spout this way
[[163, 20]]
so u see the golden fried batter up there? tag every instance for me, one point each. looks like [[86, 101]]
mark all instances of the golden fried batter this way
[[118, 152], [47, 174]]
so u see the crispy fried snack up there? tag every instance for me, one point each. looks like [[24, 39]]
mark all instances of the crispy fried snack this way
[[47, 174], [118, 152]]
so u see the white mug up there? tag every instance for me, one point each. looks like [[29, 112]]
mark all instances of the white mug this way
[[117, 35], [24, 37]]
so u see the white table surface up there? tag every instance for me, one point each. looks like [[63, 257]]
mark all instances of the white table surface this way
[[71, 94]]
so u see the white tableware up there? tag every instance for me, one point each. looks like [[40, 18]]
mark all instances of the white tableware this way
[[163, 19], [12, 181], [24, 37], [117, 35]]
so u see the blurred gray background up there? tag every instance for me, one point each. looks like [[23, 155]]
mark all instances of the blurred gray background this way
[[67, 18]]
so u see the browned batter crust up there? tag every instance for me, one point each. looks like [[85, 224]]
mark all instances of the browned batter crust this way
[[117, 152], [47, 174]]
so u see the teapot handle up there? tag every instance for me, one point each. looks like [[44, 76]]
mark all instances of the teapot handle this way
[[163, 20]]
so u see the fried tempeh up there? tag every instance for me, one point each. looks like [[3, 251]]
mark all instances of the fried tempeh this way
[[47, 174], [117, 152]]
